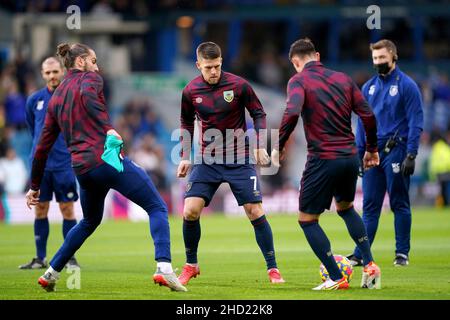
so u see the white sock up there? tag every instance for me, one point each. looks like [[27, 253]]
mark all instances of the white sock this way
[[165, 267], [53, 272]]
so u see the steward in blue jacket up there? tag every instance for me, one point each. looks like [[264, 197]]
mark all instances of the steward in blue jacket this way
[[397, 104]]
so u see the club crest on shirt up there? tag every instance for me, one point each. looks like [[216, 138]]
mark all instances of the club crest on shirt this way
[[396, 167], [198, 100], [40, 105], [372, 89], [228, 96], [393, 90]]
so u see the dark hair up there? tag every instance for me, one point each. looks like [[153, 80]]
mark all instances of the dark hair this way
[[384, 43], [208, 50], [68, 53], [302, 47]]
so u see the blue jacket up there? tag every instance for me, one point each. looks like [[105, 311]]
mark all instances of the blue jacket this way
[[36, 109], [397, 104]]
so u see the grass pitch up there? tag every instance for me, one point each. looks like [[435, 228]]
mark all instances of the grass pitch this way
[[117, 261]]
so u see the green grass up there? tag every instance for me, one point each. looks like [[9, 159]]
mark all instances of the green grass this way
[[117, 261]]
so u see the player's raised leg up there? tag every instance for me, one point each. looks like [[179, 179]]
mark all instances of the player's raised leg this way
[[137, 186]]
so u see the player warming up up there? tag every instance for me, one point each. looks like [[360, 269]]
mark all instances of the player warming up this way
[[325, 99], [78, 110], [59, 178], [219, 99]]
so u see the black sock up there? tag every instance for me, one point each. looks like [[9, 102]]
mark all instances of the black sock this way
[[357, 230], [320, 244], [264, 238], [191, 235]]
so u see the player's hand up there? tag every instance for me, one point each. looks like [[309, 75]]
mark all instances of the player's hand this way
[[183, 168], [276, 157], [408, 165], [370, 160], [261, 156], [32, 198], [114, 133]]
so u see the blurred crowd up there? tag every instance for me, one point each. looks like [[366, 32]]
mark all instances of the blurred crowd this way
[[146, 135], [141, 7], [261, 58]]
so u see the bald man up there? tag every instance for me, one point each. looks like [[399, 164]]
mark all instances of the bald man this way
[[59, 178]]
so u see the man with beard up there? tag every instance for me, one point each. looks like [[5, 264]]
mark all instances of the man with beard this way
[[59, 178]]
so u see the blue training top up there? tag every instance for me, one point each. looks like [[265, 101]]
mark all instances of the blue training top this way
[[36, 109], [397, 104]]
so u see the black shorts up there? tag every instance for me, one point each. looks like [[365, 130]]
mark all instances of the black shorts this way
[[204, 180], [324, 179]]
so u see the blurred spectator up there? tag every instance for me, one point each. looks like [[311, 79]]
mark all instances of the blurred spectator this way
[[122, 127], [15, 107], [421, 173], [13, 173], [153, 124], [3, 136], [150, 156], [23, 72], [102, 7], [141, 118], [441, 101], [439, 168], [269, 71]]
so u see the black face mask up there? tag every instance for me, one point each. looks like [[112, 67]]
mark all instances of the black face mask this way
[[382, 68]]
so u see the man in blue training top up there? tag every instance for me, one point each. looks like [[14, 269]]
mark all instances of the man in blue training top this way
[[397, 104], [59, 177]]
